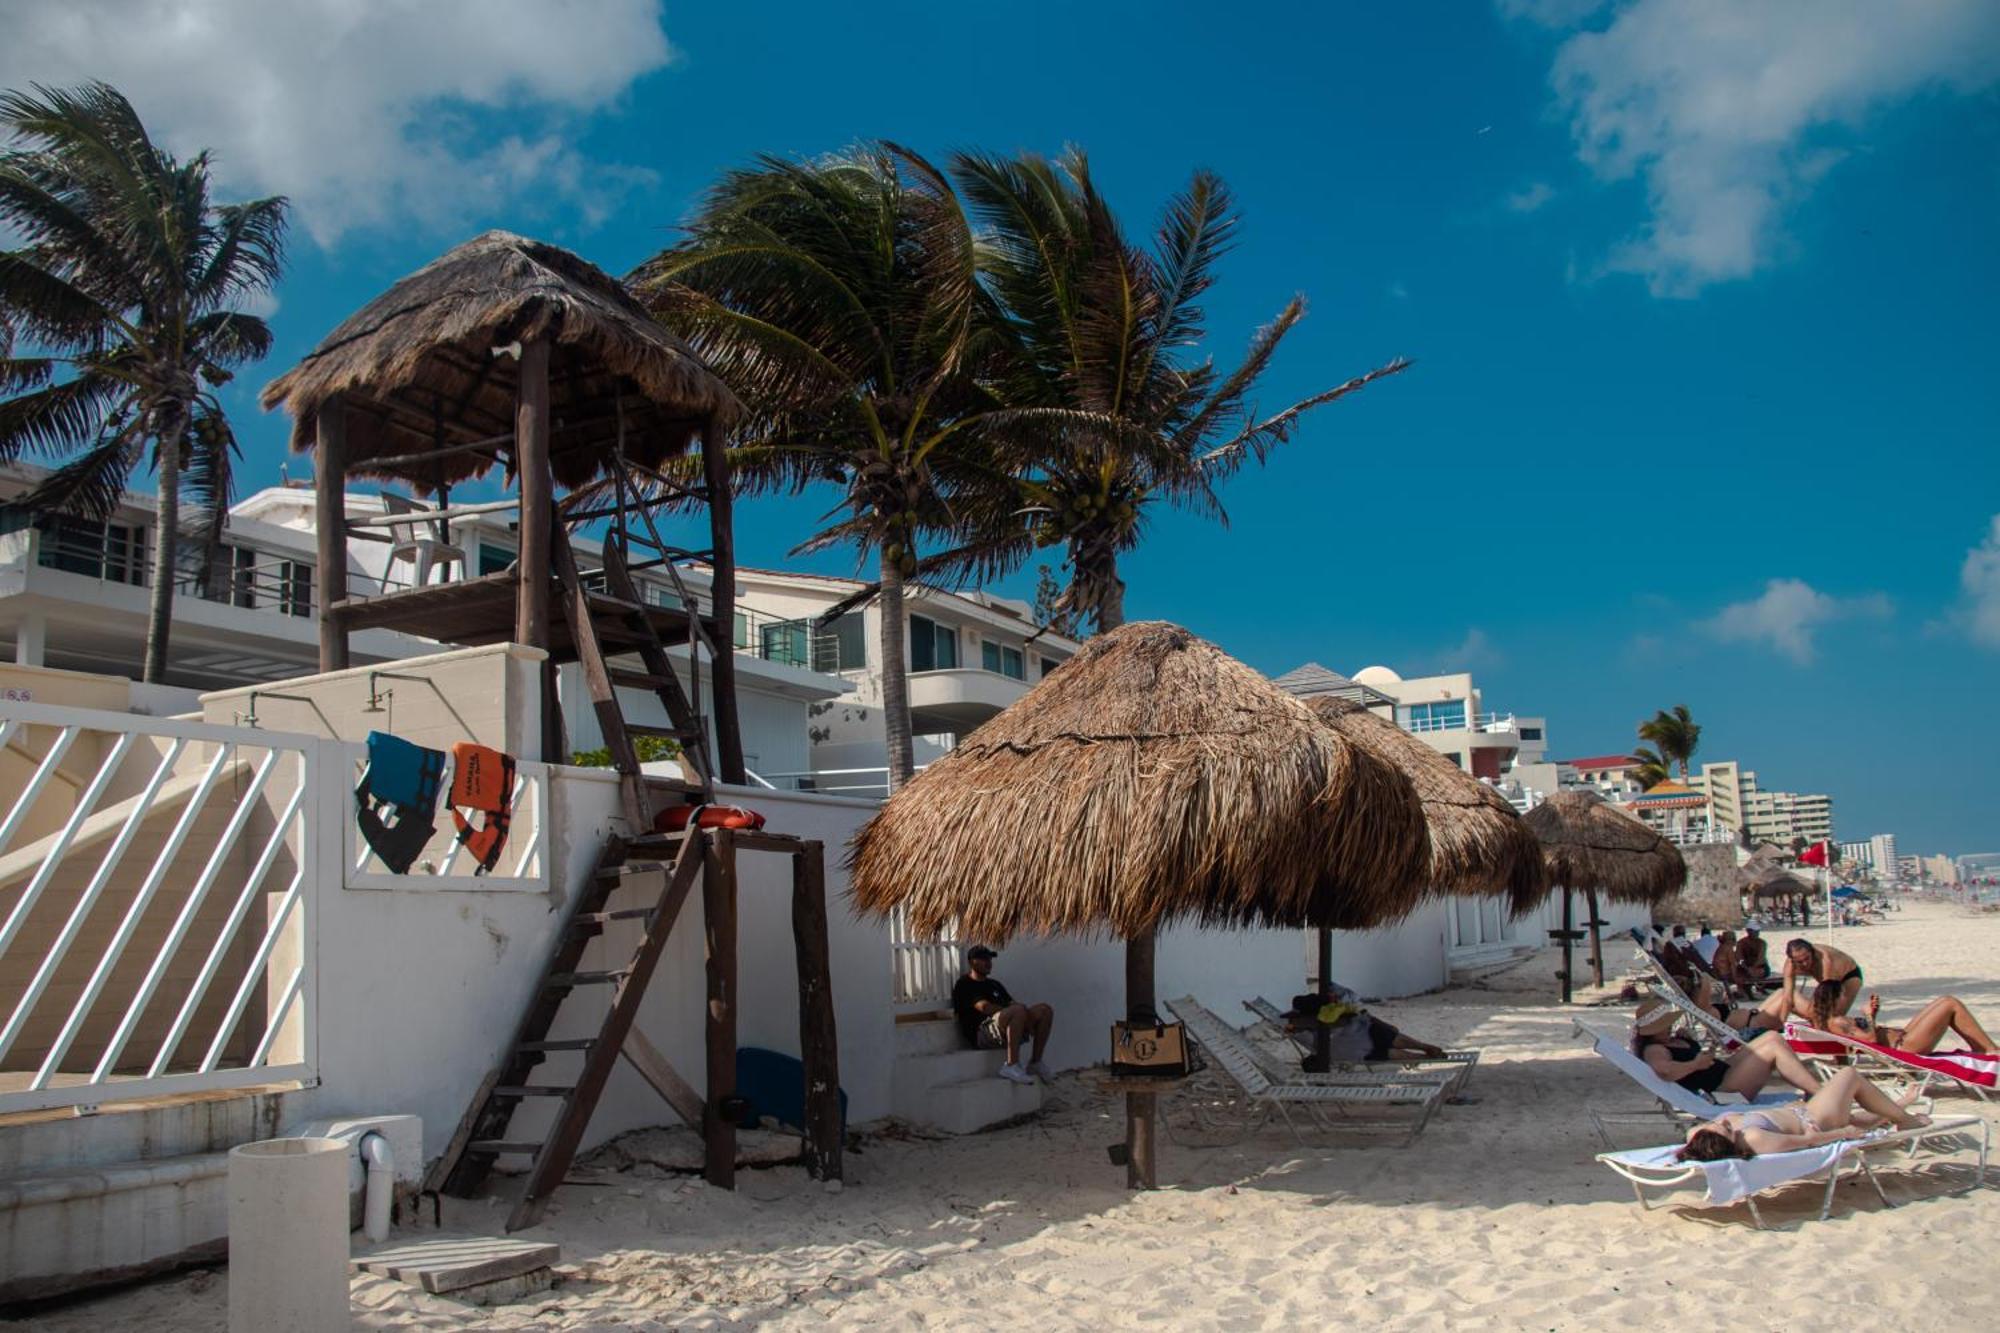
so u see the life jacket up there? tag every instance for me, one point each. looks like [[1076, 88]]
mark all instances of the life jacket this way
[[482, 781], [396, 801], [675, 818]]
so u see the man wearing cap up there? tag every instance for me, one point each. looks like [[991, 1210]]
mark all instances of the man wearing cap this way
[[990, 1019]]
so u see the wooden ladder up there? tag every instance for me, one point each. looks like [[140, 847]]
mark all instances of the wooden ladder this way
[[617, 618], [478, 1142]]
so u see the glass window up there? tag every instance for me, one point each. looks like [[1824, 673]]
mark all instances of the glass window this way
[[1445, 715], [1531, 733], [844, 645], [1050, 664], [111, 551], [1002, 660], [741, 637], [493, 559], [785, 642], [989, 655], [933, 647], [297, 587]]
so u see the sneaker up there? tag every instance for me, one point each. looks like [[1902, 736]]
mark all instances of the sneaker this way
[[1016, 1074], [1038, 1070]]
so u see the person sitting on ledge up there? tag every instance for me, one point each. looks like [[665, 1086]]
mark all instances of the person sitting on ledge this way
[[1848, 1107], [1919, 1036], [989, 1018]]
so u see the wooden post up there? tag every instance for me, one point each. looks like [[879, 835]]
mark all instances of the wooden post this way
[[1140, 1107], [718, 910], [1596, 943], [531, 463], [819, 1044], [722, 543], [1569, 928], [330, 518], [1322, 1056]]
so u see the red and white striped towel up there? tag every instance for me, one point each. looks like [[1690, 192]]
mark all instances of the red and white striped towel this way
[[1980, 1071]]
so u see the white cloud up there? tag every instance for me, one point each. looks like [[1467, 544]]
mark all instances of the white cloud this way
[[1979, 580], [361, 111], [1475, 652], [1787, 616], [1721, 110], [1529, 198]]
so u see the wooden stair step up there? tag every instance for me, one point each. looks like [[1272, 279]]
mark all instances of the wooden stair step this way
[[637, 680], [671, 732], [566, 980], [533, 1090], [622, 914], [559, 1044], [502, 1146]]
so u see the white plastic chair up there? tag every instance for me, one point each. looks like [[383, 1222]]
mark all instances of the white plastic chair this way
[[420, 541]]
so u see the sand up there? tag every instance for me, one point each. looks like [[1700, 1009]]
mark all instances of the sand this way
[[1497, 1218]]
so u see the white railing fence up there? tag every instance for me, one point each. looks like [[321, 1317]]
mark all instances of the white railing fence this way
[[158, 910], [924, 969]]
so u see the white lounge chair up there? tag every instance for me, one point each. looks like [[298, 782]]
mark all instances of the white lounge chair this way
[[1676, 1102], [1742, 1180], [1666, 988], [1315, 1101], [1978, 1073], [1456, 1065]]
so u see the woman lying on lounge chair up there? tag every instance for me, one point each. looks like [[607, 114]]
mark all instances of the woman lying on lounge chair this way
[[1846, 1108], [1919, 1036], [1681, 1059]]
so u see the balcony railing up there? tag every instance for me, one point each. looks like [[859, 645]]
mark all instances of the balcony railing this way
[[1486, 722]]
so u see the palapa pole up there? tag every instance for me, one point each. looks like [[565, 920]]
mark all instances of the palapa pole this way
[[330, 518], [1596, 943], [1323, 1035], [537, 482], [1140, 1107], [1569, 929], [722, 554], [718, 912]]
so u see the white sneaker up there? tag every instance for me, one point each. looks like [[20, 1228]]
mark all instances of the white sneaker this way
[[1016, 1074], [1038, 1070]]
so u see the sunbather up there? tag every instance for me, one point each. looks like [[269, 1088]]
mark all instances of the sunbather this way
[[1354, 1034], [1848, 1107], [1919, 1036], [1753, 965], [1680, 1059]]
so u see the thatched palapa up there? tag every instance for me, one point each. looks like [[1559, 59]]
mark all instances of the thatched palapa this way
[[1152, 779], [1589, 845], [418, 370], [1478, 844]]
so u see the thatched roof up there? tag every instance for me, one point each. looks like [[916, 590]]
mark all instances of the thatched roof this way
[[1591, 845], [418, 369], [1152, 779], [1478, 844], [1770, 883]]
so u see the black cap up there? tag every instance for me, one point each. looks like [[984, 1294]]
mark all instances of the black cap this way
[[980, 951]]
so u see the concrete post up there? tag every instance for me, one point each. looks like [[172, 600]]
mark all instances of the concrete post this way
[[288, 1237], [31, 640]]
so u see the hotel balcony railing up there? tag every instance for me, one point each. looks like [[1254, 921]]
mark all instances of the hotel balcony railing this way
[[1486, 722]]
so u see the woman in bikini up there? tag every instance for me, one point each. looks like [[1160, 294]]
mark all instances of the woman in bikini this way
[[1919, 1036], [1848, 1107], [1827, 967], [1680, 1059]]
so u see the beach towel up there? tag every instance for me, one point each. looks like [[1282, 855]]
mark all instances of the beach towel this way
[[395, 804], [1969, 1067], [675, 817], [1739, 1178], [482, 781]]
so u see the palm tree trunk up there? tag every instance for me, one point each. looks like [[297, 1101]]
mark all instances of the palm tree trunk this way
[[895, 678], [159, 612]]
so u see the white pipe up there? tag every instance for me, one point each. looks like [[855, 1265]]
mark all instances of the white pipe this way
[[380, 1188]]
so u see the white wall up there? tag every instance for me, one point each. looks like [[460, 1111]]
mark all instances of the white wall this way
[[1404, 959]]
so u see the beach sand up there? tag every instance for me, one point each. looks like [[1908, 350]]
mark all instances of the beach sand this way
[[1496, 1218]]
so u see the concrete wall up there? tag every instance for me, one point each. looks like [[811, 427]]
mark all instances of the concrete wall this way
[[1405, 959]]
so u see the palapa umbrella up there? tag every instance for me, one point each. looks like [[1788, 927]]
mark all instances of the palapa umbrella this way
[[1766, 883], [1592, 846], [1153, 779]]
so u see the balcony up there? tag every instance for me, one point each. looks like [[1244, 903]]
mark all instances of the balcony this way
[[1487, 723], [958, 699]]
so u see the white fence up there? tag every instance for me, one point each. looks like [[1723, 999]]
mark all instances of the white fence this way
[[924, 969], [159, 911]]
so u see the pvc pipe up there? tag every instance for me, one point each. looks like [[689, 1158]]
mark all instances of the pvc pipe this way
[[288, 1236], [380, 1191]]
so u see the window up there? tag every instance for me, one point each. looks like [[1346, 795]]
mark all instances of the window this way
[[1002, 660], [843, 647], [785, 642], [295, 583], [493, 559], [1050, 664], [1531, 733], [1446, 715], [741, 635], [933, 647], [115, 552]]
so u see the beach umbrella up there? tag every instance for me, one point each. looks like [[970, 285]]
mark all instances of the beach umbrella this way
[[1153, 779], [1592, 846]]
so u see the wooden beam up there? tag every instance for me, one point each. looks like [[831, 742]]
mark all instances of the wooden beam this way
[[718, 907], [531, 457], [434, 515], [722, 661], [1140, 1107], [819, 1043], [664, 1079], [330, 518]]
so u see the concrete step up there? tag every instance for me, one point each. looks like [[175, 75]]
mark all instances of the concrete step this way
[[185, 1125], [974, 1104], [929, 1071], [67, 1230], [932, 1036]]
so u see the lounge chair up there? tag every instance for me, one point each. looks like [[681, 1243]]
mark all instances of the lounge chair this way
[[1666, 988], [1456, 1065], [1742, 1180], [1676, 1102], [1314, 1101], [1968, 1069]]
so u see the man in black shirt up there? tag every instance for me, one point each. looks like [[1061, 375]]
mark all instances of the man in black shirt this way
[[989, 1018]]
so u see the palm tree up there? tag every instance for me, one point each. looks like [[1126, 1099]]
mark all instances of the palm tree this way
[[116, 305], [840, 298], [1106, 415], [1675, 734], [1651, 768]]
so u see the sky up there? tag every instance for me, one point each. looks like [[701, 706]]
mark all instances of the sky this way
[[1700, 297]]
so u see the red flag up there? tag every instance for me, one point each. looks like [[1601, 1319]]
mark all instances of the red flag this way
[[1814, 855]]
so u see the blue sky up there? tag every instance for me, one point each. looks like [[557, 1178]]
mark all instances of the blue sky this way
[[1700, 296]]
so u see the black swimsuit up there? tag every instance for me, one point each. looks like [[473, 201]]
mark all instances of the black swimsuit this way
[[1703, 1081]]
